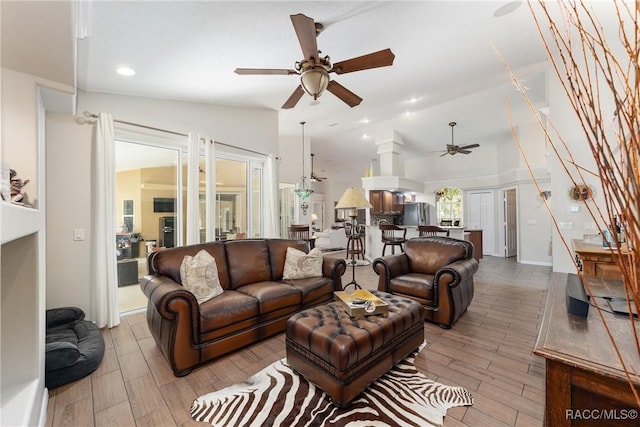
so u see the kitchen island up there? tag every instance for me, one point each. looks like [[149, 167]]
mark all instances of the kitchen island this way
[[374, 239]]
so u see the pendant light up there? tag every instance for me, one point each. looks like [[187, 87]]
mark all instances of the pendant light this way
[[302, 190]]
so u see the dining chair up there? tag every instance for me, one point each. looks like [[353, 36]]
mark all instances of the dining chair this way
[[299, 232]]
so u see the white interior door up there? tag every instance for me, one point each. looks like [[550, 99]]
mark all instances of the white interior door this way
[[510, 229], [481, 217]]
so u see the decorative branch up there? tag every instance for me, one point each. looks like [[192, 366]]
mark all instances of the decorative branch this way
[[601, 81]]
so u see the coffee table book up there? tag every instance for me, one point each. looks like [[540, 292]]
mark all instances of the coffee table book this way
[[358, 310]]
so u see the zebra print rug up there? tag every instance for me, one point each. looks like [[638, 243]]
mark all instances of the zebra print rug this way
[[276, 396]]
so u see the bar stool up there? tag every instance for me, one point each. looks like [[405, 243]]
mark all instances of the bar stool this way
[[432, 230], [393, 236], [355, 242]]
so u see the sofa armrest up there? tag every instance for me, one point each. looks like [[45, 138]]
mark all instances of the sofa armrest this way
[[161, 291], [388, 267], [334, 268], [173, 316], [451, 276], [460, 271]]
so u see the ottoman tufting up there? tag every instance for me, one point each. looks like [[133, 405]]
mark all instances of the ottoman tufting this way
[[343, 355]]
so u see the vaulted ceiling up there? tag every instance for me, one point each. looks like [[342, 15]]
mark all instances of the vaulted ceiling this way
[[447, 66]]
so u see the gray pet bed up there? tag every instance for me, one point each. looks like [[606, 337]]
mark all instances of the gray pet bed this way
[[74, 347]]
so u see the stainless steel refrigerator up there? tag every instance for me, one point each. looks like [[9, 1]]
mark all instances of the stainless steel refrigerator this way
[[419, 213]]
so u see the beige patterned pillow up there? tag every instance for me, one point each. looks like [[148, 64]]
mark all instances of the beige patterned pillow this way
[[298, 265], [199, 275]]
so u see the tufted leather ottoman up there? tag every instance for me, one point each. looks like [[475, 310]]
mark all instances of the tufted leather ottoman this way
[[343, 355]]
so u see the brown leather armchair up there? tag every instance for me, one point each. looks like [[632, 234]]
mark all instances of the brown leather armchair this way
[[435, 271]]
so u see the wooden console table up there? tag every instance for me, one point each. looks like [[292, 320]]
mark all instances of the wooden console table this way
[[598, 261], [584, 377]]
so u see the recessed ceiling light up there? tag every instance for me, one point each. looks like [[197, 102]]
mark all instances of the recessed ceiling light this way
[[414, 99], [126, 71], [365, 120]]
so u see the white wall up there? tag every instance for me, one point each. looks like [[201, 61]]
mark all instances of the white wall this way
[[496, 167], [69, 165]]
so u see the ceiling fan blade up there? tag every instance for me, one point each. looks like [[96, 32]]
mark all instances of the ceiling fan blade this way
[[382, 58], [464, 147], [248, 71], [306, 32], [348, 97], [294, 98], [460, 150], [444, 154]]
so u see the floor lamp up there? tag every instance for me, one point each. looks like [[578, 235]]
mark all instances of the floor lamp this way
[[353, 199]]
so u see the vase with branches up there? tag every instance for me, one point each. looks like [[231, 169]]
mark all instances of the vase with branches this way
[[600, 77]]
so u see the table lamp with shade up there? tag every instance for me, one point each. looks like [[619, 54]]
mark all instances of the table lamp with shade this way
[[352, 200]]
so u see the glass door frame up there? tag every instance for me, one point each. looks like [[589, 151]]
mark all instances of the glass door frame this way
[[252, 163], [180, 151]]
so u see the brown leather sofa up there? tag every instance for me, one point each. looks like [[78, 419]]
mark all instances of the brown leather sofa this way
[[255, 304], [435, 271]]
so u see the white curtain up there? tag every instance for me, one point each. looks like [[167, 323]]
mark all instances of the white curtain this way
[[210, 188], [193, 188], [104, 267], [271, 222]]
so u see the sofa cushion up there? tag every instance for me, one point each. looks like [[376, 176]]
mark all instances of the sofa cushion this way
[[229, 308], [272, 296], [415, 284], [199, 275], [427, 256], [248, 262], [313, 288], [299, 265]]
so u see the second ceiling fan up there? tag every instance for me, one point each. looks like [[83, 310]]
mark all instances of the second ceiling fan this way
[[455, 149], [314, 177], [314, 68]]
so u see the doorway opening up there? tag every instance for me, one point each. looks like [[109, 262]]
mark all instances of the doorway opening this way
[[510, 224]]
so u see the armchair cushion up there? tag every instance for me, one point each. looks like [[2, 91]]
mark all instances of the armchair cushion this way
[[418, 285], [430, 256]]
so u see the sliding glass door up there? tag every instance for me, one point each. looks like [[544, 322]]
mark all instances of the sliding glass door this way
[[148, 214], [239, 193]]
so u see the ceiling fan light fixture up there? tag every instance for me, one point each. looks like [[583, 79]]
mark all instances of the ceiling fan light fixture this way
[[314, 81]]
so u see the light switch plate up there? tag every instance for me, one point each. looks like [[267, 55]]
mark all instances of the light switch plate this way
[[78, 234]]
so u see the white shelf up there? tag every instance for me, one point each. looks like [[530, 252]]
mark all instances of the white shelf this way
[[18, 221]]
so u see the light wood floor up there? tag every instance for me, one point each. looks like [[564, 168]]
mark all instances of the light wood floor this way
[[488, 351]]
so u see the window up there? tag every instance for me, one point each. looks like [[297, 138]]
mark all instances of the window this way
[[127, 214], [449, 206]]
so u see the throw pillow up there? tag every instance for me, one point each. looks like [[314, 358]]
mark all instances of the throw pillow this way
[[199, 275], [298, 265]]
